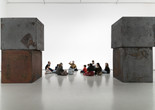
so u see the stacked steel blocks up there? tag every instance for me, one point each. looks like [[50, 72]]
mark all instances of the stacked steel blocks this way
[[22, 43], [132, 42]]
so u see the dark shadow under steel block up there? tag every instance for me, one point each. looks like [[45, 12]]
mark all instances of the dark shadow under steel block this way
[[133, 64], [21, 66]]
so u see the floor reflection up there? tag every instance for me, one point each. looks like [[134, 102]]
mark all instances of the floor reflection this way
[[71, 78], [90, 80], [98, 80], [107, 78], [132, 96], [60, 79], [48, 77], [22, 96], [77, 92]]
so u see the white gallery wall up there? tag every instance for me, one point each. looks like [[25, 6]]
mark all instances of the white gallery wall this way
[[2, 14], [2, 8], [79, 32]]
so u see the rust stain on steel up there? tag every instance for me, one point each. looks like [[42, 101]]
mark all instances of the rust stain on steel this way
[[117, 64], [37, 65], [2, 26], [8, 72], [27, 40], [19, 66], [139, 78], [138, 54]]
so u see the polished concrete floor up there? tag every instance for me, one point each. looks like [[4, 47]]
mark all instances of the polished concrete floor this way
[[78, 92]]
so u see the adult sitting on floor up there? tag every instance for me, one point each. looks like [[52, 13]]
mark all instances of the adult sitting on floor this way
[[73, 66], [90, 70], [60, 70], [93, 63], [98, 69], [70, 71], [48, 71], [48, 67], [107, 69]]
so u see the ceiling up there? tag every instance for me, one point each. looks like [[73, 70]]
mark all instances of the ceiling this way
[[82, 1]]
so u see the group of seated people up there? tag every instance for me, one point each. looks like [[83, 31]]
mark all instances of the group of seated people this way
[[91, 70], [59, 69], [95, 69]]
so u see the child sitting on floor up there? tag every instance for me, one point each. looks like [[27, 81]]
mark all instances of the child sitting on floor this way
[[84, 69]]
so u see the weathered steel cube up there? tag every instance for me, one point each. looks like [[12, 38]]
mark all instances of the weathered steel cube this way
[[21, 66], [133, 32], [133, 64], [22, 33], [22, 40]]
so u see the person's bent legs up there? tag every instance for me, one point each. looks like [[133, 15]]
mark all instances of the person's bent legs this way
[[50, 69]]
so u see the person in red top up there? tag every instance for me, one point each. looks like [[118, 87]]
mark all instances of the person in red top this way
[[84, 69]]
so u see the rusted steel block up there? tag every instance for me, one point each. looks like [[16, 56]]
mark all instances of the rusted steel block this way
[[21, 66], [22, 34], [133, 32], [133, 64]]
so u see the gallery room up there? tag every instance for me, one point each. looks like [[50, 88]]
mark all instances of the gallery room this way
[[77, 55]]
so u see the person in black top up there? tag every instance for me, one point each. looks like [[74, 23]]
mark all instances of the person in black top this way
[[90, 68], [90, 71], [47, 66], [98, 69], [107, 69]]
